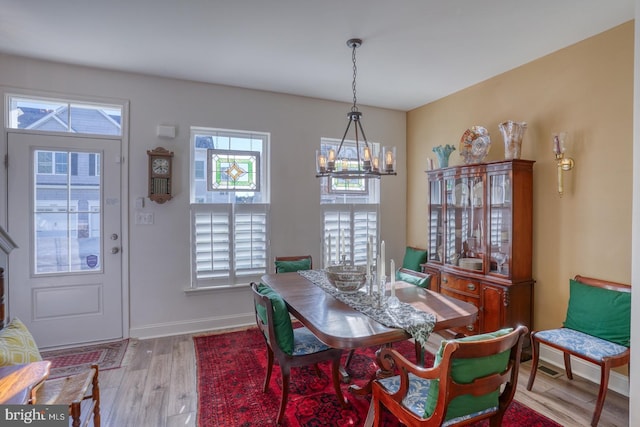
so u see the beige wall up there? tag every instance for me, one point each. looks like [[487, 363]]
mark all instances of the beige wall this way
[[585, 90]]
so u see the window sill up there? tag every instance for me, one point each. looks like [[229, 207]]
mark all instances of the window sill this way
[[216, 289]]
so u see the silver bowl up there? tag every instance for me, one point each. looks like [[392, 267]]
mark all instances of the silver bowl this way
[[347, 278]]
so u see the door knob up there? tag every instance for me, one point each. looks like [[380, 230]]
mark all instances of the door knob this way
[[114, 236], [115, 250]]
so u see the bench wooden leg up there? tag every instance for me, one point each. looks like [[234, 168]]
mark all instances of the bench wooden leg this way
[[95, 395]]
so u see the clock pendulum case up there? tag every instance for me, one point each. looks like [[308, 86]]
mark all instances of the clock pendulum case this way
[[160, 173]]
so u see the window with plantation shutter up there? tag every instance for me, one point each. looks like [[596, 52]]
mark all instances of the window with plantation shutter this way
[[230, 228], [350, 210], [356, 222]]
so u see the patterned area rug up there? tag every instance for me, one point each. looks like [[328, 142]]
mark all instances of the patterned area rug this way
[[70, 361], [230, 375]]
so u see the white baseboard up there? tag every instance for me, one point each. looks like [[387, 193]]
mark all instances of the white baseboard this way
[[617, 382], [193, 326]]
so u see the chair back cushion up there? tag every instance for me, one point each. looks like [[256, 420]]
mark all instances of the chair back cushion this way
[[293, 266], [17, 345], [281, 318], [413, 257], [423, 282], [464, 371], [600, 312]]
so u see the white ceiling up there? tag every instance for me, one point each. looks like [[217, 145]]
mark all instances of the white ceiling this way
[[414, 51]]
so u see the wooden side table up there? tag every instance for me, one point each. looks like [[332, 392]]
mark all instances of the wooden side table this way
[[19, 382]]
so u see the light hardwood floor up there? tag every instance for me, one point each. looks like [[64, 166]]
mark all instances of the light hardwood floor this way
[[157, 388]]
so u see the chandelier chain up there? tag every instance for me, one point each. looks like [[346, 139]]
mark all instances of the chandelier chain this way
[[355, 72]]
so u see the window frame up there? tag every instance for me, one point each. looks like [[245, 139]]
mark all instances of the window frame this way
[[238, 215]]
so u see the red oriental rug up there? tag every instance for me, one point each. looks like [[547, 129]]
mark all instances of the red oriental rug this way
[[230, 374], [70, 361]]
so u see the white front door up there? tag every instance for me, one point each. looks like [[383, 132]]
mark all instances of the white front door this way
[[64, 213]]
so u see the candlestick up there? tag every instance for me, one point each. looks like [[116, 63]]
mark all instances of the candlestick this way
[[392, 272]]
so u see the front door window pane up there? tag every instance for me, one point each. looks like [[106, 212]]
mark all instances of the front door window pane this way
[[67, 216]]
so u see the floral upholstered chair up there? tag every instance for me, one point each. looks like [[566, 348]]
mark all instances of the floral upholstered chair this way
[[473, 378], [291, 347], [597, 329]]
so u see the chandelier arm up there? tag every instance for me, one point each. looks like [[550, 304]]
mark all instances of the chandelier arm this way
[[364, 137], [344, 136]]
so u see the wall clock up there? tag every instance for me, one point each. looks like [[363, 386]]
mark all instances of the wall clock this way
[[160, 172]]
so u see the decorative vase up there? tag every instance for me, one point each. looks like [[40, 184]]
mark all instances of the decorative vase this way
[[512, 133], [443, 152]]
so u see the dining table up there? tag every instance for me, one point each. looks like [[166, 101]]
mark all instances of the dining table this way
[[341, 326]]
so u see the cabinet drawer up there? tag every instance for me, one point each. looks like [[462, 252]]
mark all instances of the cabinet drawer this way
[[474, 327], [459, 285]]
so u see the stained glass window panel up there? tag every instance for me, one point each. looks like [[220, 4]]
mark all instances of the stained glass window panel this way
[[230, 170]]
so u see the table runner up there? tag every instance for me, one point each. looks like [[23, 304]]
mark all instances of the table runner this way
[[419, 324]]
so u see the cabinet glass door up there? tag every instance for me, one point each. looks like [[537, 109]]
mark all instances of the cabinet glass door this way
[[465, 223], [436, 221], [500, 231]]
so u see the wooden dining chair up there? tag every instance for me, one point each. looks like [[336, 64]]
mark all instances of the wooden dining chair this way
[[597, 329], [473, 378], [290, 347], [287, 264]]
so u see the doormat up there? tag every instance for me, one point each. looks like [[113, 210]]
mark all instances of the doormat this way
[[70, 361]]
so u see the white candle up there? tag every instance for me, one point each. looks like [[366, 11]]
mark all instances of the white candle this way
[[327, 258], [382, 270], [343, 251], [338, 248]]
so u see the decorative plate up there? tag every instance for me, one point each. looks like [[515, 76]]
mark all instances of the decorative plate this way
[[475, 144]]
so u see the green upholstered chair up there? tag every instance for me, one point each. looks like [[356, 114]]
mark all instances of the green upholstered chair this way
[[473, 378], [290, 347], [597, 329], [287, 264], [413, 257]]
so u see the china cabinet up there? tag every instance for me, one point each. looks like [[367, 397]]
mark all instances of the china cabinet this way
[[480, 234]]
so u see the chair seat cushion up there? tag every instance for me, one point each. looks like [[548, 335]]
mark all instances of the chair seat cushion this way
[[293, 266], [581, 343], [417, 396], [305, 342], [423, 282]]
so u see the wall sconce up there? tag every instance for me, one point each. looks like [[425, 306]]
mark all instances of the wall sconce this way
[[563, 163]]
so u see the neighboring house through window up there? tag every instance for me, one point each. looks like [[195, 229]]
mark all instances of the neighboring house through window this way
[[229, 206]]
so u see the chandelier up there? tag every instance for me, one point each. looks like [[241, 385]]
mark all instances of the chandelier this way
[[365, 161]]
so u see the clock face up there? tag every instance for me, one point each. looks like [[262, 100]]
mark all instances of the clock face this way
[[160, 166]]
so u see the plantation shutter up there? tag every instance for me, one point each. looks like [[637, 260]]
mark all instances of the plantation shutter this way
[[356, 221], [250, 230], [215, 226], [212, 253]]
